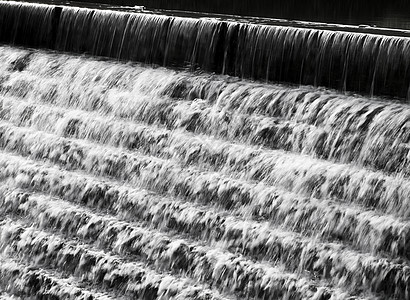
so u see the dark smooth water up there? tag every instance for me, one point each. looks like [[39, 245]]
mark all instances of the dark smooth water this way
[[393, 14]]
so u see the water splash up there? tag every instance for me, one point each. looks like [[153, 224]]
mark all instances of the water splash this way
[[170, 167]]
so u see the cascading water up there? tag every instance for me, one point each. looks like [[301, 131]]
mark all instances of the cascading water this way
[[121, 180]]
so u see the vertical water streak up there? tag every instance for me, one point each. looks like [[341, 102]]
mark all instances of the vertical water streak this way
[[27, 25], [348, 61]]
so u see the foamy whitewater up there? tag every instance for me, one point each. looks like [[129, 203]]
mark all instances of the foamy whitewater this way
[[127, 181]]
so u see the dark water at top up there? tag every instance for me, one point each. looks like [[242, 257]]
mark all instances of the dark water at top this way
[[371, 64], [392, 14]]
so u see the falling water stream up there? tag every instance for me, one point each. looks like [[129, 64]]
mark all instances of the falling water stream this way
[[138, 159]]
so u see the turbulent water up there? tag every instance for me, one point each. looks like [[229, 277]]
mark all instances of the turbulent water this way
[[123, 180], [128, 181]]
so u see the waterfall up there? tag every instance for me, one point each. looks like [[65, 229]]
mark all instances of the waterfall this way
[[366, 63], [134, 165]]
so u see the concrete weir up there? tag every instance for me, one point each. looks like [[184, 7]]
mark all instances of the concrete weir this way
[[149, 156]]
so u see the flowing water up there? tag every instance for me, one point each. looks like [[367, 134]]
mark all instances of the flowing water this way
[[124, 180]]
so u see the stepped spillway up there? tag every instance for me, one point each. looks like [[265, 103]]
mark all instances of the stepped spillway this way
[[122, 180]]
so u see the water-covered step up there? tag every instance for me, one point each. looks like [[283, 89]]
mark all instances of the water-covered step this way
[[122, 238], [8, 296], [168, 177], [112, 272], [369, 63], [282, 246], [319, 123], [323, 180], [130, 278], [22, 281]]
